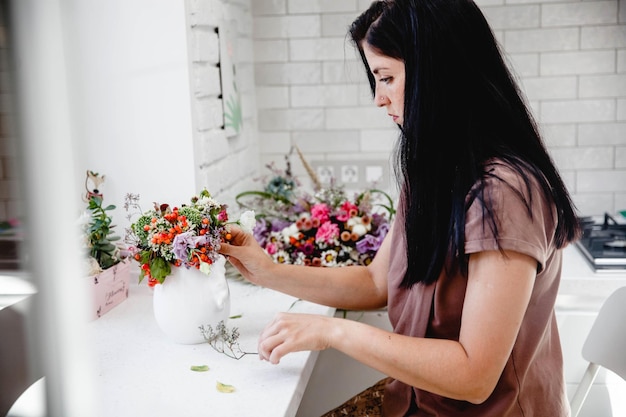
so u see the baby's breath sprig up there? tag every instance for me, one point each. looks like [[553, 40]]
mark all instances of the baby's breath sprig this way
[[224, 340]]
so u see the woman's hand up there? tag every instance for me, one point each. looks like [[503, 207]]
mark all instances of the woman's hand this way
[[292, 332], [245, 254]]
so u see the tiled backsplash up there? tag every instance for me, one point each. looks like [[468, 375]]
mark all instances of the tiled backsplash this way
[[569, 55]]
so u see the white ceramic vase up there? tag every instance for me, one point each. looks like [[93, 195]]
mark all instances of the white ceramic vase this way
[[188, 299]]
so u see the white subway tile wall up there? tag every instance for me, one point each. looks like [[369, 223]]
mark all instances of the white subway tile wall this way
[[328, 113], [301, 84], [570, 57]]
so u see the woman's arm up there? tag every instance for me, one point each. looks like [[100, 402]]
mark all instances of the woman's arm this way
[[498, 292], [351, 287]]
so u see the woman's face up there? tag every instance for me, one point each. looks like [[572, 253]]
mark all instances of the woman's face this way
[[389, 75]]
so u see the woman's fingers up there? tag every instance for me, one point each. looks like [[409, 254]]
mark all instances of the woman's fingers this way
[[292, 333]]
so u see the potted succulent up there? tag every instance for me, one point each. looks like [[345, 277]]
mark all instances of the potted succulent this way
[[107, 263], [102, 248]]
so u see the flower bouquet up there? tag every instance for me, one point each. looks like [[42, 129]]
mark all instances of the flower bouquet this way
[[178, 249], [186, 236], [326, 228]]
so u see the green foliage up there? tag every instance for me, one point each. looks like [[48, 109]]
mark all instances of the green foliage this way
[[100, 234], [233, 112], [138, 228], [193, 214], [159, 267]]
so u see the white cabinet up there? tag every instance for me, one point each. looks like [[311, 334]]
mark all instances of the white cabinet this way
[[337, 377]]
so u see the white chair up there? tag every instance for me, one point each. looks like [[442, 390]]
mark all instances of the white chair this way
[[605, 346]]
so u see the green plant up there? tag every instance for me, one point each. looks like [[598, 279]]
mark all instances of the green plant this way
[[100, 234]]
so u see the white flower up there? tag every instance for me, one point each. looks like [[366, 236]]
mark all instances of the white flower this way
[[247, 221], [358, 227], [329, 258], [281, 257], [207, 202], [205, 267], [288, 232]]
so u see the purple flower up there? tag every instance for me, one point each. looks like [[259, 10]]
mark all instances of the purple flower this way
[[369, 243], [307, 249], [382, 229], [184, 241], [260, 231], [279, 224]]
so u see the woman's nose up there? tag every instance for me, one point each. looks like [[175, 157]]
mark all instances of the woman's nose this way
[[380, 100]]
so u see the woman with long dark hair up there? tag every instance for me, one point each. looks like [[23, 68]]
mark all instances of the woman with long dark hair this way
[[470, 271]]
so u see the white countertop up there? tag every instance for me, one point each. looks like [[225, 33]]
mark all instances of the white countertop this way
[[581, 287], [141, 373]]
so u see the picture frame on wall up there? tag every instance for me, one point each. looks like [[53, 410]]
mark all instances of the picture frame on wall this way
[[231, 101]]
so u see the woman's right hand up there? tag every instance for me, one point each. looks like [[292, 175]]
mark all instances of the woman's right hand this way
[[246, 255]]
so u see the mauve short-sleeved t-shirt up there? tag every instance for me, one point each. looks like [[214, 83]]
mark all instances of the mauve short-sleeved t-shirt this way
[[532, 383]]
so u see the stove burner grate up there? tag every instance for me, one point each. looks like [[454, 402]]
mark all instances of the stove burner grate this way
[[603, 243]]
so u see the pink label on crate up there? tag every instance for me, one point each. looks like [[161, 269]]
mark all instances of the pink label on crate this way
[[110, 288]]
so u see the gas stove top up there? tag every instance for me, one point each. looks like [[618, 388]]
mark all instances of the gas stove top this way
[[603, 243]]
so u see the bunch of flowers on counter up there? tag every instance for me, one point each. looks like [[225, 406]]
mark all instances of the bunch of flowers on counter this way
[[186, 236], [326, 228]]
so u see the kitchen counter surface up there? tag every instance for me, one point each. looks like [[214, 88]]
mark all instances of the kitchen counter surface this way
[[581, 287], [142, 373]]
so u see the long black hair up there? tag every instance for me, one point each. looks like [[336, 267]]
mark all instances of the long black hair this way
[[462, 108]]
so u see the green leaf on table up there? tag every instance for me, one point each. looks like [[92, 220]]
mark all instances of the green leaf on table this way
[[199, 368], [224, 387]]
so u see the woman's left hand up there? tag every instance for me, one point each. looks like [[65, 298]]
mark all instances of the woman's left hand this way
[[290, 332]]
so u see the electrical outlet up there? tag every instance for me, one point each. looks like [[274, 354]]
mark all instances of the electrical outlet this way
[[349, 174], [373, 173], [354, 175], [325, 173]]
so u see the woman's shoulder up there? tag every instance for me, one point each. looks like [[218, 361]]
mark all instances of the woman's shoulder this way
[[500, 168], [506, 175]]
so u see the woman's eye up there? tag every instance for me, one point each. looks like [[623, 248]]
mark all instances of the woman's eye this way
[[385, 80]]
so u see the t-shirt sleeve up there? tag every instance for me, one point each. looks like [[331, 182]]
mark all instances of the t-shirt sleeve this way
[[519, 229]]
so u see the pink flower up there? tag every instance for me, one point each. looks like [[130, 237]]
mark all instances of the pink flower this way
[[222, 216], [271, 248], [327, 232], [321, 212], [346, 211]]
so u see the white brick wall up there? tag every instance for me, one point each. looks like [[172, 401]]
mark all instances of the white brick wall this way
[[570, 57], [301, 83], [225, 165], [315, 95], [577, 93]]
